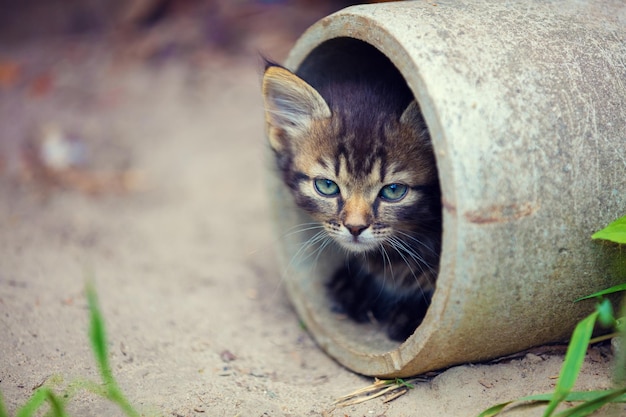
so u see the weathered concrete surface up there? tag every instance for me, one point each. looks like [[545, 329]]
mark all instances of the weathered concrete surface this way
[[526, 105]]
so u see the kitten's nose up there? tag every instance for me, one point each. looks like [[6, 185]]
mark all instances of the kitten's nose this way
[[356, 230]]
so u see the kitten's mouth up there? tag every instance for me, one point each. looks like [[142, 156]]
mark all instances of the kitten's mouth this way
[[357, 244]]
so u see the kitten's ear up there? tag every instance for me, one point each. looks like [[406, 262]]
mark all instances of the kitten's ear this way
[[291, 104], [412, 116]]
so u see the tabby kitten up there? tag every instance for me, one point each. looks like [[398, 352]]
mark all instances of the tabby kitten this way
[[357, 157]]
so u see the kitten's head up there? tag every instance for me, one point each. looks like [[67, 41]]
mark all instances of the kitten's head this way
[[363, 169]]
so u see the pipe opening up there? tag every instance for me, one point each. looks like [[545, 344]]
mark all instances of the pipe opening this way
[[373, 318]]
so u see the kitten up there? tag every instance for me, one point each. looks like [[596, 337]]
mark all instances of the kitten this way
[[357, 157]]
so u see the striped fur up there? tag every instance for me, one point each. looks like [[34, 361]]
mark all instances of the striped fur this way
[[362, 137]]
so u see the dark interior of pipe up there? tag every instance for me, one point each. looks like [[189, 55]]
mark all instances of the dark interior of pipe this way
[[343, 59]]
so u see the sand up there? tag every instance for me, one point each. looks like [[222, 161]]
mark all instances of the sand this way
[[168, 215]]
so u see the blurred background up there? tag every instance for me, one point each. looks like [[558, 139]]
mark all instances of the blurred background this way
[[233, 26], [66, 64]]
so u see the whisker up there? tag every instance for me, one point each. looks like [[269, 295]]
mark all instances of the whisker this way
[[418, 241], [326, 241], [415, 256], [312, 241], [386, 261], [305, 227], [401, 248]]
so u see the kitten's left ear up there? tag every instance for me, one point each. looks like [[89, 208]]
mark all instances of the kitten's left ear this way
[[412, 116], [291, 105]]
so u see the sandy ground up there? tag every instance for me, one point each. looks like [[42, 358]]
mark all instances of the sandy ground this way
[[180, 249]]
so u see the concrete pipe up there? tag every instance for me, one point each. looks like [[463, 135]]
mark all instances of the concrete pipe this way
[[526, 106]]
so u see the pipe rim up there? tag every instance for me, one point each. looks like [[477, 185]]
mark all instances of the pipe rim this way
[[392, 363]]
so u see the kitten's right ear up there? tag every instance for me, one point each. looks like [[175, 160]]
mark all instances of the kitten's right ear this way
[[291, 105]]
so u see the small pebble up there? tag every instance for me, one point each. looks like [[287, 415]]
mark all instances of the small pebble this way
[[227, 356]]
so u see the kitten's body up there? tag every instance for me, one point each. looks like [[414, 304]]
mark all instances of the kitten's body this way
[[356, 156]]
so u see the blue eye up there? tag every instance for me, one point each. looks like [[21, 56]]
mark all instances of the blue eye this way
[[393, 192], [326, 187]]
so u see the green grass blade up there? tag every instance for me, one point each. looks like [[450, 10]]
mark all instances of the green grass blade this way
[[573, 396], [401, 382], [3, 410], [573, 361], [97, 335], [494, 411], [56, 404], [34, 402], [614, 232], [601, 399], [581, 396], [611, 290], [537, 398], [116, 395]]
